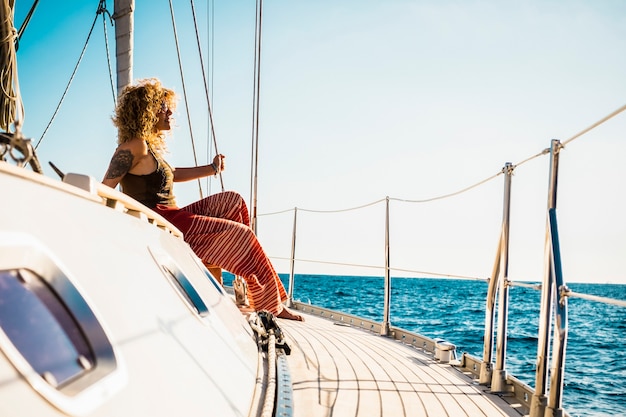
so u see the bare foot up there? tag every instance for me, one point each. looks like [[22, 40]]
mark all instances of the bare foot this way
[[287, 314]]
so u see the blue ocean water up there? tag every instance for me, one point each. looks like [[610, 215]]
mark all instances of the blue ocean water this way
[[595, 373]]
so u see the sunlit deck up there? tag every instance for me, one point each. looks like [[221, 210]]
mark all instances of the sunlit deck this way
[[341, 370]]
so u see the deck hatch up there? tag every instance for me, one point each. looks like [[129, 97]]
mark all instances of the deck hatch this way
[[32, 316]]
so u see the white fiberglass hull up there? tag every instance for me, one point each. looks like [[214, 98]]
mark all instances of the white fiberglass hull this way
[[163, 343]]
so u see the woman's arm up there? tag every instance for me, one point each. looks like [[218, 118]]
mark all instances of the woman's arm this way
[[121, 163], [192, 173], [128, 156]]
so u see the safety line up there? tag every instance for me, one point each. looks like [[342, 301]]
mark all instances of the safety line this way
[[427, 274], [426, 200]]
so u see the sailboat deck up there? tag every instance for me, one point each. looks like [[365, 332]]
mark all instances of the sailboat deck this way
[[340, 370]]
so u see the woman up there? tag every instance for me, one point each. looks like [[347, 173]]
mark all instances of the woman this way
[[217, 227]]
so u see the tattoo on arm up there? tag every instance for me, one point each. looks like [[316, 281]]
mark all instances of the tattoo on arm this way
[[120, 164]]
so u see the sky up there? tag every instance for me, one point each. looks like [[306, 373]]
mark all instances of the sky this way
[[364, 100]]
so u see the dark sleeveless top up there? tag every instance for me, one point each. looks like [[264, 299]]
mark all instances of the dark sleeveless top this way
[[151, 189]]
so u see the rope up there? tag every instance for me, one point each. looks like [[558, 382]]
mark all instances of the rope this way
[[451, 194], [182, 77], [596, 124], [441, 197], [430, 274], [525, 285], [11, 107], [206, 87], [277, 212], [346, 209], [82, 54], [270, 392], [530, 158], [324, 211], [330, 263], [543, 152], [569, 293], [599, 299], [104, 10], [390, 198]]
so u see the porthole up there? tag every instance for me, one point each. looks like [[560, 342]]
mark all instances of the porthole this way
[[49, 332], [41, 328]]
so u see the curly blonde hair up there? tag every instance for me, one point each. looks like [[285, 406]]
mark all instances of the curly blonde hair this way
[[136, 112]]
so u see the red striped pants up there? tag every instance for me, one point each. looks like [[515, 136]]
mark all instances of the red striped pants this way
[[218, 230]]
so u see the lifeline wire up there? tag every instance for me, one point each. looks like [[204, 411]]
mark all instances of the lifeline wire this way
[[543, 152], [428, 273], [596, 124]]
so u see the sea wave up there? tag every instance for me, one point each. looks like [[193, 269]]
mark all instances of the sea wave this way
[[454, 310], [595, 381]]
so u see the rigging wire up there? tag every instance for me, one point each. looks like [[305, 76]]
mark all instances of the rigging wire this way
[[210, 24], [182, 77], [25, 23], [206, 87], [82, 54], [255, 116]]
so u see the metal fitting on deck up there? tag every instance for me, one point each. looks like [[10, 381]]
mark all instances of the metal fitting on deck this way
[[444, 351]]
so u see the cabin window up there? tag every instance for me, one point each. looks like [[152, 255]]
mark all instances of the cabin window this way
[[49, 332], [179, 281], [41, 328], [186, 290], [210, 277]]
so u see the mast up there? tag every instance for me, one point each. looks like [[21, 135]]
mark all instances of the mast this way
[[123, 15], [10, 106]]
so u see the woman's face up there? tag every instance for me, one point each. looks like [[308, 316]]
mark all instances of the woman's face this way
[[164, 115]]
